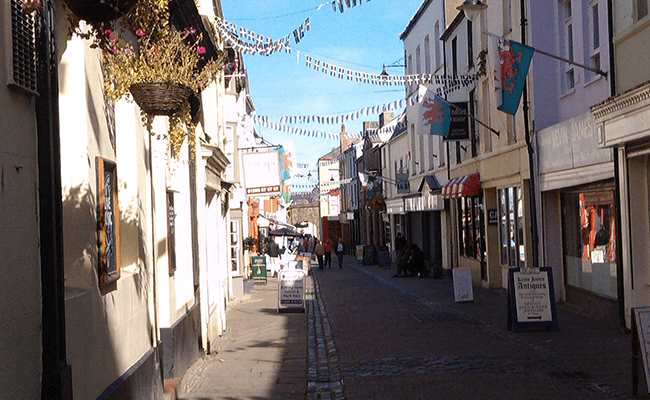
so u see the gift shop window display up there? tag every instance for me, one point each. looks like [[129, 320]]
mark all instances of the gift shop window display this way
[[589, 241]]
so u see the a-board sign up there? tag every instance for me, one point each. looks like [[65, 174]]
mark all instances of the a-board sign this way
[[369, 255], [462, 284], [291, 290], [258, 265], [531, 300], [641, 343]]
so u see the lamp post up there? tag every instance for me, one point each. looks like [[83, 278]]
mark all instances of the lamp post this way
[[473, 9]]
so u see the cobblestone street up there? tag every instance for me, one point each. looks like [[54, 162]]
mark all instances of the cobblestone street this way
[[407, 338]]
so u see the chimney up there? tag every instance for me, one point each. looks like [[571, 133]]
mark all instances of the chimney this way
[[385, 118], [345, 139]]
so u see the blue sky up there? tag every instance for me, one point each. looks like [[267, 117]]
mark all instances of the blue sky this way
[[361, 38]]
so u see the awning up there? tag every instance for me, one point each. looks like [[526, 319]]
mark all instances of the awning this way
[[462, 186]]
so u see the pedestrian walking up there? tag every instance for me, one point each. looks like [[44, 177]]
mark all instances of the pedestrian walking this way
[[319, 249], [328, 252], [340, 247]]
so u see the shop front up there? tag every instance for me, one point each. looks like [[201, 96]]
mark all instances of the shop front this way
[[623, 123], [424, 215], [397, 221], [580, 211], [466, 196]]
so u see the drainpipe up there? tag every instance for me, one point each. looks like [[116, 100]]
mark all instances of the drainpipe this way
[[531, 151], [57, 373], [154, 253], [620, 283]]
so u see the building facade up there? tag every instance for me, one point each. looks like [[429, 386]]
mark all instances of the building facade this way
[[622, 125]]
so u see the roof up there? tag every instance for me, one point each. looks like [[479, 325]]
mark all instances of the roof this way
[[414, 20], [452, 27]]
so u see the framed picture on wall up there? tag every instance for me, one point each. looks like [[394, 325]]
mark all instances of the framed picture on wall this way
[[108, 222]]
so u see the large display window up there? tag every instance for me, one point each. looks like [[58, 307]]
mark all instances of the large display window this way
[[589, 241], [471, 226]]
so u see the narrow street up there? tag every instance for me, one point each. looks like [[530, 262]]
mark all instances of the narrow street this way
[[366, 335]]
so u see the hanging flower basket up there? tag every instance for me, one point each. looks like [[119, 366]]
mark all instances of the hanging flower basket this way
[[160, 98], [99, 10]]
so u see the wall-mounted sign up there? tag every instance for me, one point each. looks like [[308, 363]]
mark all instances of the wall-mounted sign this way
[[108, 221], [493, 216]]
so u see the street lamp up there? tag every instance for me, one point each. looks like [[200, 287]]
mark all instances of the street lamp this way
[[472, 9]]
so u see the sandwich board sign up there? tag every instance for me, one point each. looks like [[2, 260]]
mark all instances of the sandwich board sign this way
[[531, 300], [462, 284], [291, 290]]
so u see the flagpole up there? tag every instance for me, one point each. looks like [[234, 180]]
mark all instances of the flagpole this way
[[598, 71], [474, 119]]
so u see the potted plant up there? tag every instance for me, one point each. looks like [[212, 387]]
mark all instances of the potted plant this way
[[158, 66]]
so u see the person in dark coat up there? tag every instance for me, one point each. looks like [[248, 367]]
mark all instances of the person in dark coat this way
[[415, 264], [402, 263]]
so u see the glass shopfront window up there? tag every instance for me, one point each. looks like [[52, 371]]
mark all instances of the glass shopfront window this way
[[589, 241], [471, 226], [511, 226]]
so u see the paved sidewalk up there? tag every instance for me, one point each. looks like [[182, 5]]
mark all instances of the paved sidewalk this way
[[262, 354], [406, 338]]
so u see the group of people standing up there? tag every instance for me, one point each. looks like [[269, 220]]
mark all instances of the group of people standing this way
[[324, 252]]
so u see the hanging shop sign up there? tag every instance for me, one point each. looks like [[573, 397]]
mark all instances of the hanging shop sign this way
[[262, 173], [459, 126]]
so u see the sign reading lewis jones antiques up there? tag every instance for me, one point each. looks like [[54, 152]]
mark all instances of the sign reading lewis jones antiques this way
[[532, 302]]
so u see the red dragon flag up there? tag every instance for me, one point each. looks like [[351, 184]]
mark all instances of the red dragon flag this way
[[511, 68], [436, 113]]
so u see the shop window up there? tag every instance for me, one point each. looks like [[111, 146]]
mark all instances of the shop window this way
[[471, 226], [511, 226], [589, 241]]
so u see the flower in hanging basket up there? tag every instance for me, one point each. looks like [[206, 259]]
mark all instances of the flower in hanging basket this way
[[158, 66], [29, 6]]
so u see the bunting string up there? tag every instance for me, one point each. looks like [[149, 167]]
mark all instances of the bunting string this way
[[247, 41], [394, 105], [387, 80], [344, 5]]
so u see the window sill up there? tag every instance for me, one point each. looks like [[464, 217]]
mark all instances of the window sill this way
[[593, 80], [568, 92]]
